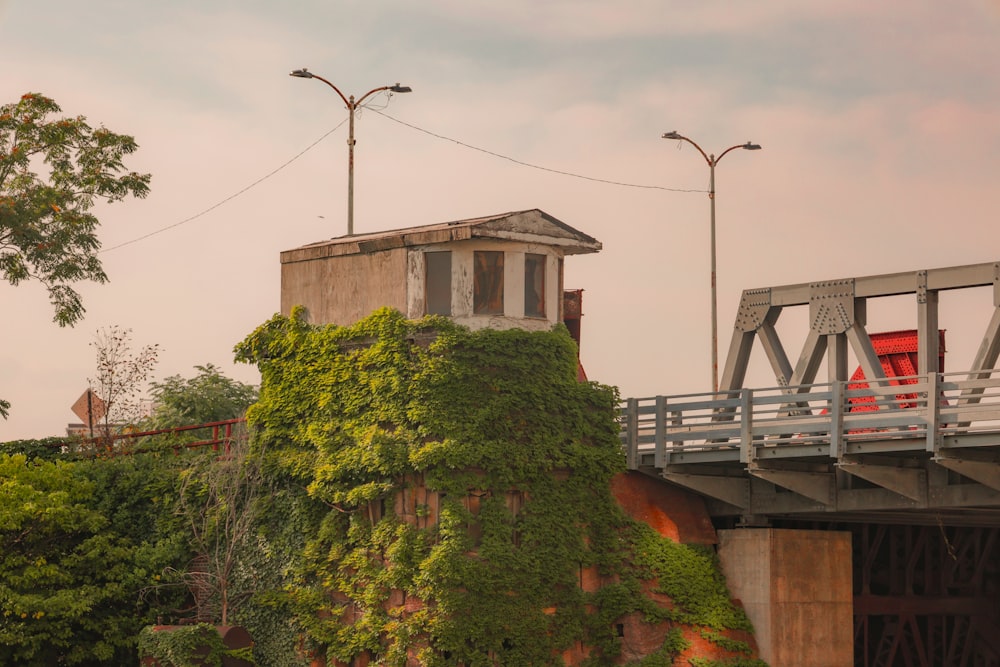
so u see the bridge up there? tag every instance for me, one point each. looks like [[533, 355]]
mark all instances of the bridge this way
[[894, 444], [907, 463]]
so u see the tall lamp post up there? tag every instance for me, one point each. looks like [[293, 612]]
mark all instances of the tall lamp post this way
[[712, 161], [352, 106]]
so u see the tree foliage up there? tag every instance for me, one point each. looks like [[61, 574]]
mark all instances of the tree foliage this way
[[412, 491], [207, 397], [81, 548], [52, 171]]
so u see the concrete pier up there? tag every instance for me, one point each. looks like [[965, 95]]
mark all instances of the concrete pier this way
[[796, 588]]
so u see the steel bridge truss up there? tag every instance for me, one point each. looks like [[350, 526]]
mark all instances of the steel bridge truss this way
[[837, 318], [929, 441]]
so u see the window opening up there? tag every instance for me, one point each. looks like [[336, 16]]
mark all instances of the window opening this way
[[487, 282], [437, 283], [534, 285]]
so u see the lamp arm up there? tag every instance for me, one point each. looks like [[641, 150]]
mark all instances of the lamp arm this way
[[731, 148], [371, 92], [703, 154], [346, 103]]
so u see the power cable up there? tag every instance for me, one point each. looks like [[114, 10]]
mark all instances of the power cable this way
[[227, 199], [413, 127], [533, 166]]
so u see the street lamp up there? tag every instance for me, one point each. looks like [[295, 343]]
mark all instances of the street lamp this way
[[352, 106], [712, 161]]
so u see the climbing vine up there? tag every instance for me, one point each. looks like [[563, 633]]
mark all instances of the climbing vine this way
[[198, 645], [422, 493], [452, 489]]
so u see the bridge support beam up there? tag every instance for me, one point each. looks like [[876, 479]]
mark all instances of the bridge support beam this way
[[796, 587], [821, 487], [986, 473], [908, 482]]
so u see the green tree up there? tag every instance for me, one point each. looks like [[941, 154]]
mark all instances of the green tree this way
[[52, 171], [207, 397], [82, 545]]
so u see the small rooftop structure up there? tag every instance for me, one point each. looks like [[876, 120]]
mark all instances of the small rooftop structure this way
[[500, 271]]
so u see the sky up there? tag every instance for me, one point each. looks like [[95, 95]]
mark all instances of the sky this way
[[878, 122]]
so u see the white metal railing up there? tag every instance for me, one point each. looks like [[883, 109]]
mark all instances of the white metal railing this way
[[829, 417]]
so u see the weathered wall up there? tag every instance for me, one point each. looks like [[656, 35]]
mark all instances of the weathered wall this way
[[795, 586], [669, 510], [345, 289]]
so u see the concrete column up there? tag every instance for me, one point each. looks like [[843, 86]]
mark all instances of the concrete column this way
[[796, 588]]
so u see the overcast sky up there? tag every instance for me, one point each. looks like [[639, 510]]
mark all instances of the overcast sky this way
[[878, 121]]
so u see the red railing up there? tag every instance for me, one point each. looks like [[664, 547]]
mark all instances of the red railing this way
[[223, 433]]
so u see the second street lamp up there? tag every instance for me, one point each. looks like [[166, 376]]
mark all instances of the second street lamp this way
[[352, 106], [712, 161]]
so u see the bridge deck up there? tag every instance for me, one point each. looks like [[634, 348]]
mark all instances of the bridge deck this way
[[900, 443]]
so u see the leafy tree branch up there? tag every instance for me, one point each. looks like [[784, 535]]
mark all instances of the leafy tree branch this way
[[52, 171]]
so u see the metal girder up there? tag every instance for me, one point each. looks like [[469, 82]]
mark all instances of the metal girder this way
[[836, 307], [861, 343], [754, 307], [892, 284], [984, 362], [985, 472], [775, 353], [908, 482], [735, 370], [805, 370], [818, 486], [928, 337], [732, 490], [809, 360], [989, 347], [754, 311], [831, 306], [836, 357], [925, 596]]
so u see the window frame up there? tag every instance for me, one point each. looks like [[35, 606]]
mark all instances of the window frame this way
[[488, 268], [432, 286], [535, 285]]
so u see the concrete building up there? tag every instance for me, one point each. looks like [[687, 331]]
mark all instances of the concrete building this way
[[500, 271]]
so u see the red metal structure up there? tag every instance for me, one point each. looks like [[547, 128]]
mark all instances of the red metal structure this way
[[897, 350], [217, 435], [572, 315]]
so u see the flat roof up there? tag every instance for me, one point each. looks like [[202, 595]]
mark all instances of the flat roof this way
[[531, 226]]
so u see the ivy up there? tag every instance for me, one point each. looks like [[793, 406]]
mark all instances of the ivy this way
[[424, 493], [731, 645], [198, 645], [691, 577], [729, 662], [459, 483]]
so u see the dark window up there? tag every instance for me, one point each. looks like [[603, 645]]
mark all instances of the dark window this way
[[487, 283], [438, 283], [534, 285]]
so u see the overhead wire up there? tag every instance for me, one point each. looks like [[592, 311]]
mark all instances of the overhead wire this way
[[229, 198], [533, 166], [411, 126]]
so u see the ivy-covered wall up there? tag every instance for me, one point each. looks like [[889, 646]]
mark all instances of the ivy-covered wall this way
[[443, 497]]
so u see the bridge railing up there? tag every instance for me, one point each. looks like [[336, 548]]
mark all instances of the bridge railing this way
[[818, 419]]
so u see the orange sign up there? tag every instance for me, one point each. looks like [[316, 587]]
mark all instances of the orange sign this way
[[89, 407]]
